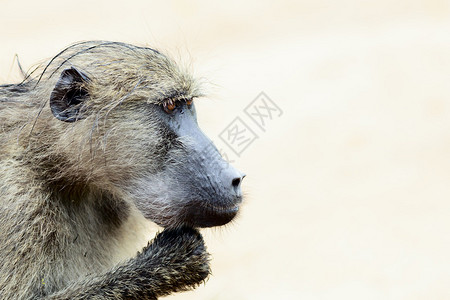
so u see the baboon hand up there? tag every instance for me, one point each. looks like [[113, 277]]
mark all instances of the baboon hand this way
[[178, 260]]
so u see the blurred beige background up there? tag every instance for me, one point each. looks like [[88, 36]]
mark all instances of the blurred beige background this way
[[347, 191]]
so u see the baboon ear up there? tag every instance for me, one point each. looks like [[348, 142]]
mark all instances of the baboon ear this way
[[68, 95]]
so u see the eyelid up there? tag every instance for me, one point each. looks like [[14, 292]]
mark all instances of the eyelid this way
[[170, 105]]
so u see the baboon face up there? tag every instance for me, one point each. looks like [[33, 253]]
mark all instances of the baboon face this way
[[152, 149], [194, 185]]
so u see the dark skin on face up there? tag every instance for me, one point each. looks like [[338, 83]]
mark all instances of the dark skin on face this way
[[205, 168]]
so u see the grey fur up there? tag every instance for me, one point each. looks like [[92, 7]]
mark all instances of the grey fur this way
[[76, 176]]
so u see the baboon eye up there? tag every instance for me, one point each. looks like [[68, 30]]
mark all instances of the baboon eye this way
[[169, 106]]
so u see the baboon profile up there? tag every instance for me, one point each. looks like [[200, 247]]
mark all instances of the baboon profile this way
[[103, 137]]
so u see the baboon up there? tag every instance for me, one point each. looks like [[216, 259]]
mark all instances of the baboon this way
[[95, 142]]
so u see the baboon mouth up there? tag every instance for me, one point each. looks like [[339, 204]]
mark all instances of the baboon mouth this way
[[199, 213], [216, 217], [209, 215], [224, 212]]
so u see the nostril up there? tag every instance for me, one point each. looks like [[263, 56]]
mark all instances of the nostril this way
[[236, 182]]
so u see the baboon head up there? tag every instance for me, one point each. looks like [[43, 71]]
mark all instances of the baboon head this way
[[124, 122]]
